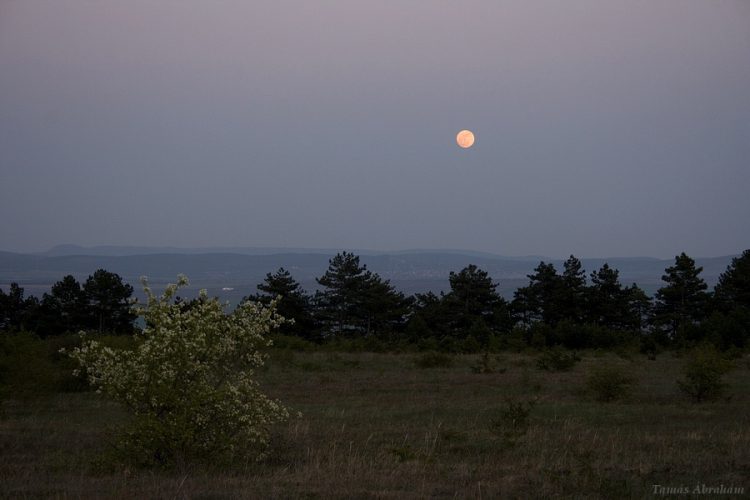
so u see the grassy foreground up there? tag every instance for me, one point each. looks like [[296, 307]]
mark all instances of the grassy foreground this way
[[379, 426]]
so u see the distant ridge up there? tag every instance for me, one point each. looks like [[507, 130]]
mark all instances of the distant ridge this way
[[125, 250]]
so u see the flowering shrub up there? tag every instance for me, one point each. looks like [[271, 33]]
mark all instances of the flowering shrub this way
[[189, 380]]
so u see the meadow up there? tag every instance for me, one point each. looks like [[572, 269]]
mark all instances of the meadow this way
[[411, 425]]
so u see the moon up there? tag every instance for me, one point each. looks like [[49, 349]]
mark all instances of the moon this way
[[465, 139]]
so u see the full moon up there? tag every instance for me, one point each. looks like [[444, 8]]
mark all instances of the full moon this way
[[465, 139]]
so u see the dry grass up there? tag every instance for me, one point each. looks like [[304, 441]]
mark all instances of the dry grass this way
[[377, 426]]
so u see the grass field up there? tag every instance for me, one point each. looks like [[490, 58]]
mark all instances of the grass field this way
[[380, 426]]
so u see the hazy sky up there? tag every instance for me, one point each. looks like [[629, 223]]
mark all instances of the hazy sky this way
[[604, 128]]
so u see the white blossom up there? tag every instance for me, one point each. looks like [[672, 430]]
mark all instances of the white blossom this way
[[189, 379]]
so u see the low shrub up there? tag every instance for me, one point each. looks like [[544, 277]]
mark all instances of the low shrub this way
[[31, 367], [513, 421], [609, 383], [487, 364], [557, 360], [703, 371], [434, 360], [292, 343]]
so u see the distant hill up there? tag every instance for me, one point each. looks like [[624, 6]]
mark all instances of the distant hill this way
[[123, 250], [242, 269]]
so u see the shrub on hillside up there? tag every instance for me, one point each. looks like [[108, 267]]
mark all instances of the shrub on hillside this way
[[609, 383], [292, 343], [31, 367], [188, 381], [513, 421], [703, 372], [487, 364], [557, 360], [26, 370], [434, 360]]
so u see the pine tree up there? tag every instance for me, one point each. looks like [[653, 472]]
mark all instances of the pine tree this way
[[17, 312], [108, 302], [294, 303], [733, 289], [572, 298], [64, 308], [638, 308], [541, 297], [339, 304], [683, 300], [429, 318], [473, 299], [607, 300], [729, 325], [383, 309]]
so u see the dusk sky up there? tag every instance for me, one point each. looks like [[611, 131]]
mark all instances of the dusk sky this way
[[603, 128]]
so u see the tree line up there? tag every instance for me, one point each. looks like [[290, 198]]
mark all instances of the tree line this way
[[101, 304], [566, 307]]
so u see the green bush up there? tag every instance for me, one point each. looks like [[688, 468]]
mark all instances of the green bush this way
[[434, 360], [292, 343], [609, 383], [516, 340], [649, 346], [513, 421], [703, 371], [487, 364], [357, 344], [31, 367], [25, 368], [428, 344], [557, 360], [469, 345]]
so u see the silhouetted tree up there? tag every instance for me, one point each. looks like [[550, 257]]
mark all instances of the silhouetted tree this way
[[108, 303], [541, 298], [429, 318], [356, 300], [294, 303], [638, 308], [473, 304], [729, 325], [383, 308], [608, 302], [572, 295], [17, 312], [683, 301], [733, 289], [338, 303], [63, 309]]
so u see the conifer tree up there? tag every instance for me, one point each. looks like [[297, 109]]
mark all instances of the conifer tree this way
[[293, 304], [473, 299], [357, 301], [108, 302], [572, 298], [541, 297], [683, 300], [339, 302], [733, 289], [607, 299], [64, 308]]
